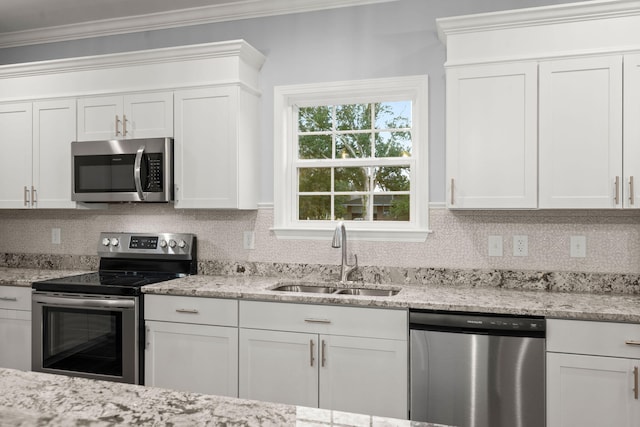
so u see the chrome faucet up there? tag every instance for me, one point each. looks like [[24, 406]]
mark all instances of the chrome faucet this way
[[340, 240]]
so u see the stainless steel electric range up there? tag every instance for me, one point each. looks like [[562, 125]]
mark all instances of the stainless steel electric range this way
[[92, 325]]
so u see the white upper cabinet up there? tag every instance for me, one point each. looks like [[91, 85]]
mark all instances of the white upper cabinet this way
[[492, 136], [580, 143], [144, 115], [216, 148], [581, 133], [631, 129], [15, 162], [35, 168]]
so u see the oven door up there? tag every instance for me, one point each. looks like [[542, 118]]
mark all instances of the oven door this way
[[88, 336]]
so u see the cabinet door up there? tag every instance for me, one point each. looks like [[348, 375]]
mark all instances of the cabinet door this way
[[279, 367], [100, 118], [492, 136], [581, 133], [15, 336], [148, 115], [205, 148], [15, 161], [591, 391], [54, 127], [364, 375], [631, 147], [196, 358]]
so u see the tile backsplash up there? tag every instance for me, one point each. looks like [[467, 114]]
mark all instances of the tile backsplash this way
[[459, 239]]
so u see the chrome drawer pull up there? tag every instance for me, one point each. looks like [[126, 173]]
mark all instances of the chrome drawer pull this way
[[311, 359], [187, 310], [635, 382], [326, 321], [632, 342], [8, 299]]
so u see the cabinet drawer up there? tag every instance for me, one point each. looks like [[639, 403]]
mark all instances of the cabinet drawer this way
[[15, 298], [204, 311], [596, 338], [325, 319]]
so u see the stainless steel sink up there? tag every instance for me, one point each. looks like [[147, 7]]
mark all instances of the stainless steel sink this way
[[319, 288], [305, 288], [368, 292]]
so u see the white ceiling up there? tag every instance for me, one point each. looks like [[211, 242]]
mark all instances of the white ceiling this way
[[25, 22]]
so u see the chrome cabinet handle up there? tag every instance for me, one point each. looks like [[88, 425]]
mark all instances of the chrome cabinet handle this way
[[26, 196], [8, 299], [124, 125], [34, 194], [632, 196], [117, 127], [452, 186], [635, 383], [146, 340], [325, 321], [616, 199], [324, 360], [311, 359], [136, 172], [632, 342], [187, 310]]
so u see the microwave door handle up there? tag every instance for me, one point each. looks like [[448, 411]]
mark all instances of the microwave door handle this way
[[136, 172]]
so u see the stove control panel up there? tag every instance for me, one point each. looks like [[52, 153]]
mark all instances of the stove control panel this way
[[143, 245]]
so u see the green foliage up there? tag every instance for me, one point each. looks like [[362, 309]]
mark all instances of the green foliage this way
[[352, 132]]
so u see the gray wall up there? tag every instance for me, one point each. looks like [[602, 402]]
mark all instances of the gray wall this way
[[382, 40]]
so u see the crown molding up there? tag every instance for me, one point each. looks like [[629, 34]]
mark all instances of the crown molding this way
[[238, 48], [171, 19], [547, 15]]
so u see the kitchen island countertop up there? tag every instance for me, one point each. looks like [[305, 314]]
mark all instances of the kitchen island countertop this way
[[33, 398]]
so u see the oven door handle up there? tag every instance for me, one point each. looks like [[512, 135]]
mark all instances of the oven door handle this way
[[136, 172], [81, 302]]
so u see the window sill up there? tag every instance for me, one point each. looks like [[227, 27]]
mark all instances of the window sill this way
[[374, 235]]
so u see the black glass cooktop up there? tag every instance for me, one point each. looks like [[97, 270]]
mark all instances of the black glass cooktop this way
[[108, 283]]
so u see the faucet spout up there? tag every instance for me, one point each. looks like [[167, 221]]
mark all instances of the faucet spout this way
[[340, 241]]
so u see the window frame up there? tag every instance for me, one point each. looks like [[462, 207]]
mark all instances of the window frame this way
[[290, 97]]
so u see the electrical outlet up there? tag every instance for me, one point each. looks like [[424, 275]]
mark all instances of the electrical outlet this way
[[578, 247], [520, 246], [249, 240], [55, 236], [495, 245]]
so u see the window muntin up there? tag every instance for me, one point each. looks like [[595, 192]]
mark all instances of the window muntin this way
[[354, 162]]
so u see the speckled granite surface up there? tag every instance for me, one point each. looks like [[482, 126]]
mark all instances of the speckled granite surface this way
[[586, 306], [37, 399], [467, 293]]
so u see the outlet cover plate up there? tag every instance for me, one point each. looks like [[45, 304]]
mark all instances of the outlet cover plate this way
[[520, 245]]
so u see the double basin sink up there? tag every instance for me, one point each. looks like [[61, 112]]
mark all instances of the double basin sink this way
[[329, 289]]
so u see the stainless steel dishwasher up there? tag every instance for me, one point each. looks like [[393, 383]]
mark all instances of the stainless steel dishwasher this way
[[476, 370]]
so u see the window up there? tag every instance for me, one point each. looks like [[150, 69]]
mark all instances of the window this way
[[353, 151]]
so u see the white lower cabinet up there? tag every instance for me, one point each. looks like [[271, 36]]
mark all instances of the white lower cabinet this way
[[592, 374], [192, 344], [342, 358], [15, 327]]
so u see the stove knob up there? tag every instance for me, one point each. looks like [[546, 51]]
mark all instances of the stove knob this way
[[182, 244], [115, 241], [172, 243], [163, 243], [106, 241]]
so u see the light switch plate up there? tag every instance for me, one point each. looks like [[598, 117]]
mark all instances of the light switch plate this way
[[578, 247], [55, 236]]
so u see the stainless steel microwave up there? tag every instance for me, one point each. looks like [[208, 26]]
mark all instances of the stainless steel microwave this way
[[128, 170]]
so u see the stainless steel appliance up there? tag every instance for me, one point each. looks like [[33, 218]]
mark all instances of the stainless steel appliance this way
[[129, 170], [474, 370], [92, 325]]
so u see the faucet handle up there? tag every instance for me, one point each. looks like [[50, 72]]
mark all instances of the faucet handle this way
[[356, 258]]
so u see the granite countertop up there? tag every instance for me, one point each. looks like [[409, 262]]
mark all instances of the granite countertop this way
[[33, 398], [567, 305], [469, 297], [25, 276]]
